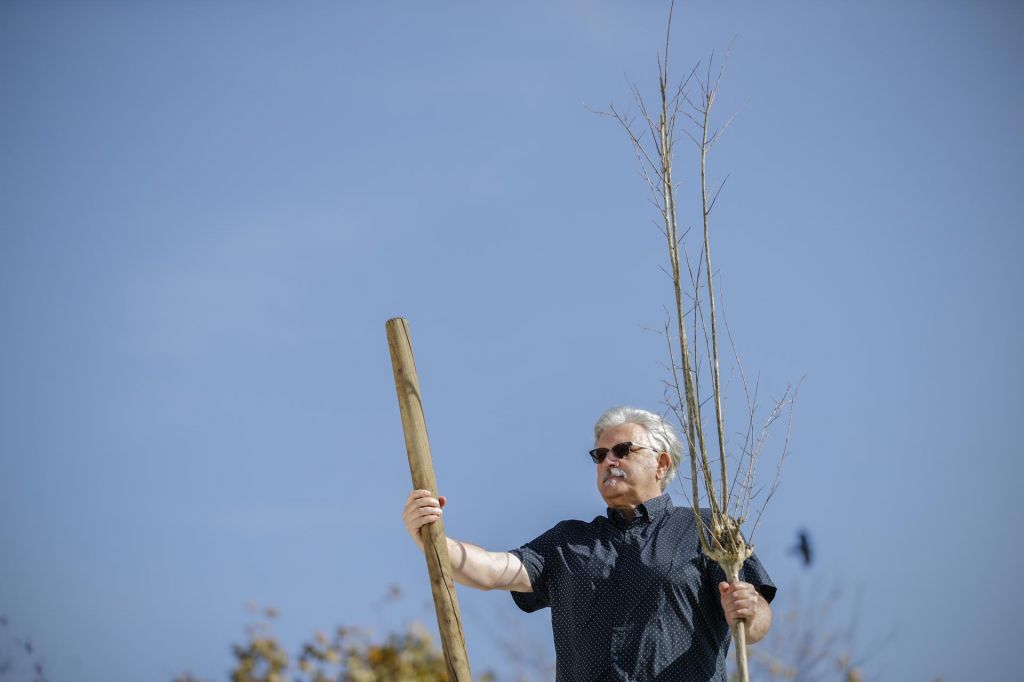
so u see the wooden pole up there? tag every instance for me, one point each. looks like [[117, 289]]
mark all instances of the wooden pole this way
[[739, 630], [435, 546]]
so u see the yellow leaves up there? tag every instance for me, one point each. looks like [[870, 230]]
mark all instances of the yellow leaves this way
[[346, 654], [350, 655]]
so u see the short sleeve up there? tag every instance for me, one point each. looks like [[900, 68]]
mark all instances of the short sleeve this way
[[753, 572], [537, 557]]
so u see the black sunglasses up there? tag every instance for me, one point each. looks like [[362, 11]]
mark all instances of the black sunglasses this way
[[620, 450]]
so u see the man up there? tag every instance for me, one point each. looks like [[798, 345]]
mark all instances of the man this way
[[632, 597]]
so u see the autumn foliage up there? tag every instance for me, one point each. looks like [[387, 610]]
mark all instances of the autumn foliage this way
[[348, 655]]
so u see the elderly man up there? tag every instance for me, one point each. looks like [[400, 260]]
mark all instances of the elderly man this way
[[631, 595]]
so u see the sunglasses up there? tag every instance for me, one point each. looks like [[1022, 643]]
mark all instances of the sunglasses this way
[[620, 450]]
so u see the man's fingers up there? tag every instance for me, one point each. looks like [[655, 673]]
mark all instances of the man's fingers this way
[[421, 508], [418, 512], [739, 601], [417, 495], [416, 524], [421, 499], [428, 512], [737, 590], [420, 515]]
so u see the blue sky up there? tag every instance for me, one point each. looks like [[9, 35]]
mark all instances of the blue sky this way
[[208, 211]]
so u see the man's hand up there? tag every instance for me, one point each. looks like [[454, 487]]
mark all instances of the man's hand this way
[[420, 509], [741, 601]]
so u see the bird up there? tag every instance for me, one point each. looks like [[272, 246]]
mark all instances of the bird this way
[[803, 547]]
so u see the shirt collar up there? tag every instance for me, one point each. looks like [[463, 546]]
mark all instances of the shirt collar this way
[[645, 511]]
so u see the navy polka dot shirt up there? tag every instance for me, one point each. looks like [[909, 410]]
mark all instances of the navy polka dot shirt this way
[[633, 600]]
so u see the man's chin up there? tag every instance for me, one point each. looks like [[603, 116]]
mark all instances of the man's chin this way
[[612, 493]]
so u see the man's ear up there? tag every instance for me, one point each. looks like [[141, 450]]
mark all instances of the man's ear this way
[[664, 462]]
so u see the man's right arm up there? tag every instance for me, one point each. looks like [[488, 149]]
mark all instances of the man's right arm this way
[[472, 566]]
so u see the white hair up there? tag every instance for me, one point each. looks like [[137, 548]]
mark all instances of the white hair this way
[[663, 437]]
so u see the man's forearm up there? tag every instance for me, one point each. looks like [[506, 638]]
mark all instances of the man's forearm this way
[[471, 565], [474, 566]]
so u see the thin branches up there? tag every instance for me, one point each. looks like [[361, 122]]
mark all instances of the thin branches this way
[[692, 326]]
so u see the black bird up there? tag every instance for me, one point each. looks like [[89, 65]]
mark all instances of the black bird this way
[[803, 547]]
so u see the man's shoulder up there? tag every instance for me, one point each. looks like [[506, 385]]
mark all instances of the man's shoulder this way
[[576, 529], [685, 513], [681, 520], [577, 526]]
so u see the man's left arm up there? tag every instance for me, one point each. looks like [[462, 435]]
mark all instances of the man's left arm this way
[[742, 601]]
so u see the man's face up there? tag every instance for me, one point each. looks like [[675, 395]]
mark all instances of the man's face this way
[[633, 479]]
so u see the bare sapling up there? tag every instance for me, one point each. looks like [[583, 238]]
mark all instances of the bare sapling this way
[[693, 330]]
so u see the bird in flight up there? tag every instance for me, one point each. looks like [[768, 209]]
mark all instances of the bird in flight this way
[[803, 547]]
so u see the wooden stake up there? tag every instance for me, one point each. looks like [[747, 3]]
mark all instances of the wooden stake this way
[[739, 630], [435, 546]]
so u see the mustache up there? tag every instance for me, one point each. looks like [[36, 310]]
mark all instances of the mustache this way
[[614, 472]]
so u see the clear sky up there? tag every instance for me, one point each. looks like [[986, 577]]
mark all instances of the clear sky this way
[[209, 210]]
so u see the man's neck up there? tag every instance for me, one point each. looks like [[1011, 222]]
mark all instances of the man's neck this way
[[628, 512]]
